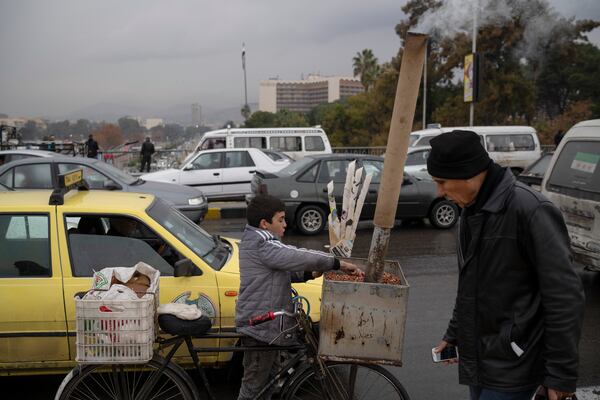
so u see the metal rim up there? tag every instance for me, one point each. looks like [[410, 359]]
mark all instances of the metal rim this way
[[311, 220], [445, 214]]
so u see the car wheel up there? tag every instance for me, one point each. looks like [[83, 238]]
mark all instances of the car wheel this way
[[443, 214], [310, 219]]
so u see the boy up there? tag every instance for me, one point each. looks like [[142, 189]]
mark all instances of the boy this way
[[267, 269]]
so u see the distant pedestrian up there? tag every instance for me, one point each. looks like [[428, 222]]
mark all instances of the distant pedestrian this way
[[146, 152], [91, 147], [558, 137]]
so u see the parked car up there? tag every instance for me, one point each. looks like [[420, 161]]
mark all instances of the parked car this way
[[42, 173], [302, 186], [221, 173], [515, 147], [7, 156], [49, 253], [534, 174], [416, 162], [572, 182]]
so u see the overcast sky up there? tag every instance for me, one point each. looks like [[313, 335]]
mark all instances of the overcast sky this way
[[59, 56]]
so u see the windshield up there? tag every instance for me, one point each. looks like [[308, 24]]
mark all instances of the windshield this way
[[294, 167], [205, 246], [540, 166], [412, 139], [120, 175], [188, 158]]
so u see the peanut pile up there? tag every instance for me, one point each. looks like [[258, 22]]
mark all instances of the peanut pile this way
[[387, 278]]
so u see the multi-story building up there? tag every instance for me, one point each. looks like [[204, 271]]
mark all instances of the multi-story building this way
[[303, 95]]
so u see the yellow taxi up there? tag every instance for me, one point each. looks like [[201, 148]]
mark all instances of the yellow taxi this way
[[51, 243]]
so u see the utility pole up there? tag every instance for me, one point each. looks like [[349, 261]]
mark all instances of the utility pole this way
[[474, 51], [425, 87]]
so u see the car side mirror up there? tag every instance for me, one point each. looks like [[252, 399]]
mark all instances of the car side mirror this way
[[185, 267], [111, 185], [406, 181], [188, 167]]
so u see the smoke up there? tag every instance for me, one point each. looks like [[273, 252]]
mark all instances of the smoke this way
[[540, 22]]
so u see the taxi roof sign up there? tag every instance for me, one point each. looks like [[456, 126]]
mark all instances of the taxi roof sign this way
[[66, 182]]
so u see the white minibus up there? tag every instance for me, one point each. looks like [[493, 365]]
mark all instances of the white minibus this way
[[295, 142], [510, 146]]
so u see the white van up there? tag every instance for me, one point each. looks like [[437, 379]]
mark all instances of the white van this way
[[295, 142], [510, 146], [572, 182]]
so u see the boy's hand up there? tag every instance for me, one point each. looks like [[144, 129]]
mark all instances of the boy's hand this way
[[350, 269]]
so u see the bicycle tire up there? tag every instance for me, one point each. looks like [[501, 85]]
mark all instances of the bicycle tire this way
[[116, 382], [371, 382]]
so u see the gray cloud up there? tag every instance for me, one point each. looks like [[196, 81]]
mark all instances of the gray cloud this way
[[63, 55]]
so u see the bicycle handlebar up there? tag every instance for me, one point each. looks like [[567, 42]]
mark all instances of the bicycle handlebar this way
[[268, 316]]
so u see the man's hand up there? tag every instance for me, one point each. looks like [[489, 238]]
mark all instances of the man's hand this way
[[350, 269], [441, 346], [557, 395]]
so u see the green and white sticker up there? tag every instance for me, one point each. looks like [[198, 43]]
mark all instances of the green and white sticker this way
[[585, 162]]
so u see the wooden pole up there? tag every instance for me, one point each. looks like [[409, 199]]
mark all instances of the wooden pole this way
[[403, 114]]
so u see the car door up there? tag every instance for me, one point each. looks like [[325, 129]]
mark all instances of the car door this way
[[148, 242], [238, 170], [204, 172], [32, 315], [333, 169], [409, 203]]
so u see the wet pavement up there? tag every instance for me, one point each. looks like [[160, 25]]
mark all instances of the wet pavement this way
[[428, 259]]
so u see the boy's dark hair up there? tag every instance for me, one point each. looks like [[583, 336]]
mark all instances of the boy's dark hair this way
[[262, 207]]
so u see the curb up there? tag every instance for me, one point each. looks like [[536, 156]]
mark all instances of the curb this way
[[215, 213]]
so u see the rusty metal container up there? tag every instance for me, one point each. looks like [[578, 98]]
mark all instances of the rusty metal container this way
[[364, 322]]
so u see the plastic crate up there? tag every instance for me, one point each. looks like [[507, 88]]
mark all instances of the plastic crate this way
[[115, 331]]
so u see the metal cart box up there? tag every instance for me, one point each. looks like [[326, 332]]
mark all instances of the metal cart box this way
[[364, 322]]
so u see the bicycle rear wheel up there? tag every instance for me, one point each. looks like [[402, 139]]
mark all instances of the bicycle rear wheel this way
[[355, 381], [126, 382]]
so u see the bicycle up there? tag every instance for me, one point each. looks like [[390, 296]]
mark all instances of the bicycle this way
[[303, 376]]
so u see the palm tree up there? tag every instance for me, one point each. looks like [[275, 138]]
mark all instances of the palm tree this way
[[365, 66]]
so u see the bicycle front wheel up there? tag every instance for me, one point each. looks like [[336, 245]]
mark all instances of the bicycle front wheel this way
[[127, 382], [347, 381]]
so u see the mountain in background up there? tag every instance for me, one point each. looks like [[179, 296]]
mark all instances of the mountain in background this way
[[180, 114]]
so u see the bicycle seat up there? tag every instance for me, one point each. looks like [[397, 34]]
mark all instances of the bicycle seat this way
[[181, 327]]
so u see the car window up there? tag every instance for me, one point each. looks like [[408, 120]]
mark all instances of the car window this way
[[508, 142], [333, 169], [310, 174], [417, 157], [207, 247], [540, 166], [7, 178], [256, 142], [25, 246], [97, 241], [33, 176], [424, 141], [374, 168], [314, 143], [576, 171], [412, 139], [95, 179], [207, 161], [213, 143], [286, 143], [296, 166], [237, 159]]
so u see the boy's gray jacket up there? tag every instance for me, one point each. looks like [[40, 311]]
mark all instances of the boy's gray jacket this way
[[267, 269]]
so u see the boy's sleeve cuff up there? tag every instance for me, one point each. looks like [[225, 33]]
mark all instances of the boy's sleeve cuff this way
[[336, 264]]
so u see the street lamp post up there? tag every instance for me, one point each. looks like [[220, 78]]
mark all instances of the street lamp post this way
[[474, 51], [246, 108]]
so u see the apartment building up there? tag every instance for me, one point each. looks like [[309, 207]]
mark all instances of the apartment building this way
[[303, 95]]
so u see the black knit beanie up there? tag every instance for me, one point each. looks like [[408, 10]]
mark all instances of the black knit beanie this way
[[457, 155]]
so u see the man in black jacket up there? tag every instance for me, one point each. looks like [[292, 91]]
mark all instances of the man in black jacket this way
[[91, 147], [146, 153], [519, 307]]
